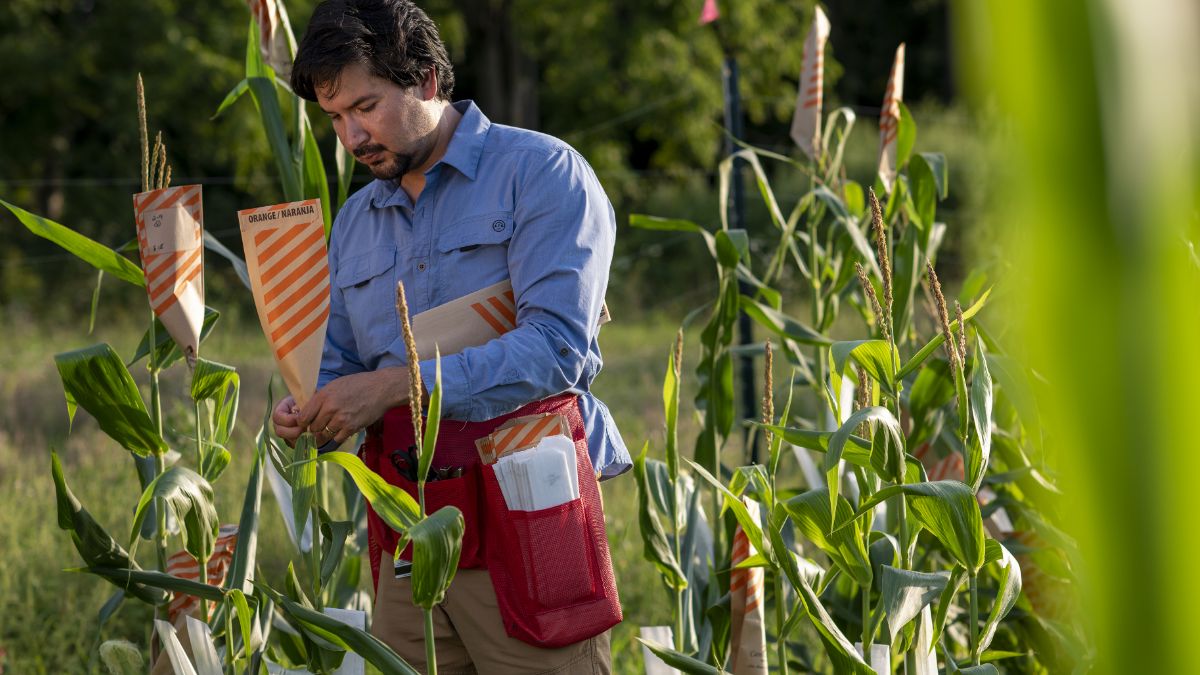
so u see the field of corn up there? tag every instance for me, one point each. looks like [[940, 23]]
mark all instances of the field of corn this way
[[903, 499]]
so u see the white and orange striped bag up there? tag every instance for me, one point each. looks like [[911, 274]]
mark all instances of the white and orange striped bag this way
[[170, 233], [746, 605], [889, 122], [289, 275], [183, 565]]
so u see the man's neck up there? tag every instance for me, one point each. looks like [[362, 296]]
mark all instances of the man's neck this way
[[413, 182]]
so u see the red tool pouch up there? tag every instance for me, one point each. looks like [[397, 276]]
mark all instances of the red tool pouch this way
[[551, 568]]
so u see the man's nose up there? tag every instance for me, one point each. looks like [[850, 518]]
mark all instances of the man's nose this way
[[354, 135]]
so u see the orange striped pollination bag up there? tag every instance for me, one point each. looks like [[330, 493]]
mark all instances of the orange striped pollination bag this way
[[170, 232], [184, 566], [289, 275], [889, 122], [747, 597], [806, 121]]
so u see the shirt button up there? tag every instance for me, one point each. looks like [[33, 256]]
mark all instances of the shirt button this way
[[420, 267], [563, 351]]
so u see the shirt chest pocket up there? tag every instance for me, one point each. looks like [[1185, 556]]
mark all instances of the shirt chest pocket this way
[[367, 284], [474, 252]]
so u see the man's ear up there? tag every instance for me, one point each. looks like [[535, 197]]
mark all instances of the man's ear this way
[[429, 87]]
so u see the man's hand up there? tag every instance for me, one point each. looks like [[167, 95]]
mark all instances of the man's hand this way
[[346, 405], [285, 418]]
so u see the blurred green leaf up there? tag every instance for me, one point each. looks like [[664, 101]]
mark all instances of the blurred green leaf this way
[[302, 476], [315, 181], [923, 189], [245, 553], [93, 253], [1006, 598], [732, 246], [333, 543], [93, 543], [217, 386], [906, 136], [681, 662], [123, 576], [782, 324], [437, 543], [262, 90], [95, 378]]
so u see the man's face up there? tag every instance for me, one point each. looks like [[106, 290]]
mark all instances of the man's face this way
[[389, 129]]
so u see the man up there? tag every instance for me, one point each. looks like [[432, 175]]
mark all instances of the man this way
[[458, 204]]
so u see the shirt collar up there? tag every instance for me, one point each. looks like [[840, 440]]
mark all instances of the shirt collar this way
[[462, 152]]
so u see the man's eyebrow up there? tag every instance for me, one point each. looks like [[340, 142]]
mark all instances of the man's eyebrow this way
[[354, 104]]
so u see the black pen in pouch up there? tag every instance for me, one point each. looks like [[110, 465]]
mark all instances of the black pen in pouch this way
[[403, 569]]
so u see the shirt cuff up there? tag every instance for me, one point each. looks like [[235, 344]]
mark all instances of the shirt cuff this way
[[456, 386]]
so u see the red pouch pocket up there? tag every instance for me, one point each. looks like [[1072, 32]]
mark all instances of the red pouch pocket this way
[[461, 492], [551, 568]]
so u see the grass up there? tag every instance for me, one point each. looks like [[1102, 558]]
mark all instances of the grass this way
[[48, 617]]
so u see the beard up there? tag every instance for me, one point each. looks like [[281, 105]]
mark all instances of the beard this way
[[390, 165]]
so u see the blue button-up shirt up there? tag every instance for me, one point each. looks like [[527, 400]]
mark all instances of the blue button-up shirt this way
[[502, 203]]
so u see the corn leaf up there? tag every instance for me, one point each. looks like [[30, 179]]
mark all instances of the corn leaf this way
[[656, 547], [813, 518], [905, 593], [203, 650], [91, 252], [316, 183], [733, 502], [342, 635], [395, 506], [781, 324], [871, 355], [1010, 590], [907, 262], [302, 476], [681, 662], [980, 450], [937, 340], [262, 90], [957, 576], [217, 387], [437, 543], [174, 649], [166, 351], [95, 545], [948, 509], [670, 394], [433, 420], [190, 497], [837, 444], [333, 542], [155, 579], [95, 378], [245, 554]]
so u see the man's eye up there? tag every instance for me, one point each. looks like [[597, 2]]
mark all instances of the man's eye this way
[[367, 108]]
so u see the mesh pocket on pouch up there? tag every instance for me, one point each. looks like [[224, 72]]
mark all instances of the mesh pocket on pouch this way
[[551, 568]]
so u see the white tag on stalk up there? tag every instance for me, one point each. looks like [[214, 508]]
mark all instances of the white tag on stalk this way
[[881, 657], [662, 635]]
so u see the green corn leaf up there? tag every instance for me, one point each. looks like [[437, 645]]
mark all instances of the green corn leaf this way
[[872, 355], [342, 635], [937, 340], [395, 506], [95, 378], [781, 324], [670, 393], [980, 451], [262, 90], [190, 497], [906, 136], [857, 450], [837, 444], [1006, 599], [905, 593], [316, 183], [302, 476], [957, 576], [932, 389], [234, 94], [681, 662], [433, 421], [93, 253], [812, 516], [732, 247], [941, 173], [948, 509], [345, 172], [656, 547], [245, 554], [166, 352], [239, 266], [907, 262], [645, 222], [437, 544], [839, 649], [982, 669], [155, 579], [94, 544], [244, 616], [924, 190], [963, 403], [749, 524], [217, 386], [333, 543], [204, 652]]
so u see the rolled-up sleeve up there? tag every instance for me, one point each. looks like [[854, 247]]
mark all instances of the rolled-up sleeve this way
[[558, 258]]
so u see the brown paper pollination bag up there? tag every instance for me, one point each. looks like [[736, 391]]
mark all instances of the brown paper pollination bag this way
[[170, 235], [889, 121], [289, 274], [806, 121]]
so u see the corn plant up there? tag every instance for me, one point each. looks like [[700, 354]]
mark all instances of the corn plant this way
[[873, 545]]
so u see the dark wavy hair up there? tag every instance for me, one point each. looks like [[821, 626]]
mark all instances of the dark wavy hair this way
[[394, 39]]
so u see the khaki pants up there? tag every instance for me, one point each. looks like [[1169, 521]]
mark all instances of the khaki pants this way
[[470, 634]]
